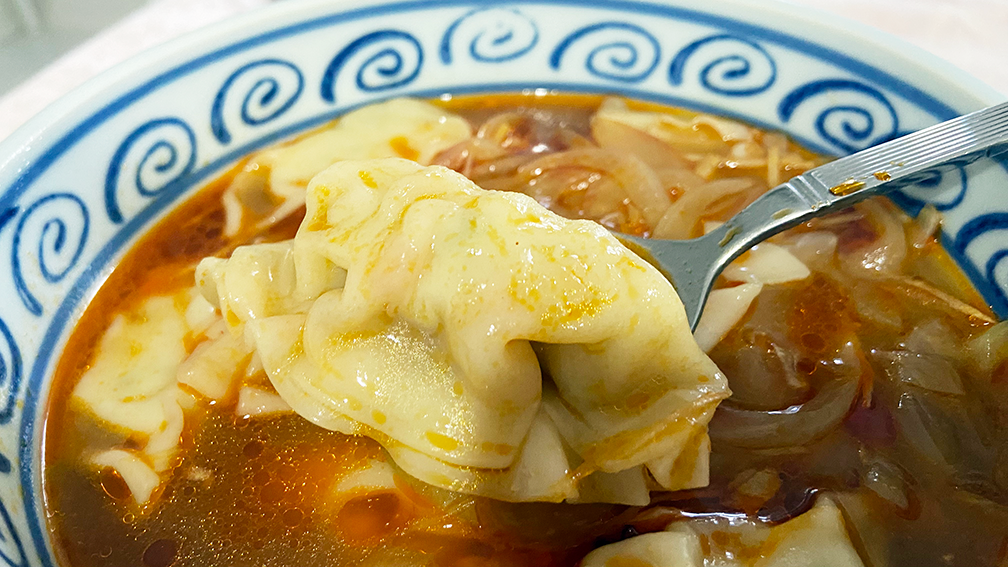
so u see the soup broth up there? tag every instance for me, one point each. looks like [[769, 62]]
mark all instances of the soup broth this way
[[878, 381]]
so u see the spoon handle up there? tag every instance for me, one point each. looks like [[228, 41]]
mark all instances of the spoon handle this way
[[876, 170], [693, 265]]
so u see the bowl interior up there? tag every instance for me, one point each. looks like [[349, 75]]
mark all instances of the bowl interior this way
[[80, 182]]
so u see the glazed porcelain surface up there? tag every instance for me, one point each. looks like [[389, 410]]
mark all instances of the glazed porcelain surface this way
[[80, 182]]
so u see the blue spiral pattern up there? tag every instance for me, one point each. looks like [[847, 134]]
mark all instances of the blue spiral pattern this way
[[990, 225], [271, 87], [7, 215], [59, 237], [616, 51], [11, 372], [849, 115], [10, 359], [384, 59], [11, 549], [494, 34], [159, 155], [10, 379], [730, 65]]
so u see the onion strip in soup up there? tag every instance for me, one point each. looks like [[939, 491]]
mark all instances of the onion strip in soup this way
[[405, 339]]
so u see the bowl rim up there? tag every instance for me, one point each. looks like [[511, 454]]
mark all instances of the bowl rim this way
[[21, 143], [86, 105]]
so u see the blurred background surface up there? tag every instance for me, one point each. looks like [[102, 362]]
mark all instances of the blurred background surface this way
[[34, 33], [48, 47]]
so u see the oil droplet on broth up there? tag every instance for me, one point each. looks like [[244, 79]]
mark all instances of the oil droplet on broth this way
[[292, 517], [272, 492], [253, 449], [113, 484], [372, 516], [161, 553]]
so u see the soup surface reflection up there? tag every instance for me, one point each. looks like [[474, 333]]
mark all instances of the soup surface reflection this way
[[867, 377]]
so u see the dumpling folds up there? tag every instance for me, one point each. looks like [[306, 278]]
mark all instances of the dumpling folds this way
[[396, 128], [490, 345], [818, 537], [130, 385]]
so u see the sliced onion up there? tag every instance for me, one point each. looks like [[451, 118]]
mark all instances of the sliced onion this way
[[725, 308], [634, 176], [602, 198], [923, 228], [887, 252], [928, 371], [928, 295], [620, 137], [886, 480], [233, 213], [498, 136], [791, 427], [944, 431], [729, 130], [250, 195], [674, 173], [457, 157], [518, 132], [748, 151], [760, 485], [503, 166], [914, 423], [553, 187], [991, 348], [767, 264], [577, 193], [679, 181], [935, 337], [836, 221], [761, 373], [814, 249], [869, 529], [680, 220], [687, 134], [875, 307]]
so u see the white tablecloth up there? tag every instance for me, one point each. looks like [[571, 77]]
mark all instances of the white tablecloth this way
[[971, 34]]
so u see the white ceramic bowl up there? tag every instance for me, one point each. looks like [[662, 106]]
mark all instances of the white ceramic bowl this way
[[80, 182]]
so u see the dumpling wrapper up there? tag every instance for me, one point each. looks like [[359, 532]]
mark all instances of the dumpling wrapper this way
[[490, 345], [401, 127], [818, 537], [135, 365], [130, 384]]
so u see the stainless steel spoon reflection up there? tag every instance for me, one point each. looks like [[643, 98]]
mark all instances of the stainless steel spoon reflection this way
[[693, 265]]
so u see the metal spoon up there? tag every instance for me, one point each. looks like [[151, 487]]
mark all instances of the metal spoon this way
[[693, 265]]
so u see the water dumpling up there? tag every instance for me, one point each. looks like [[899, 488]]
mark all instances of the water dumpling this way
[[817, 537], [491, 346]]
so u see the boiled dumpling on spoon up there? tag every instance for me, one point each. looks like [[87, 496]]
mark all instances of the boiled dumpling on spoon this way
[[491, 346]]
